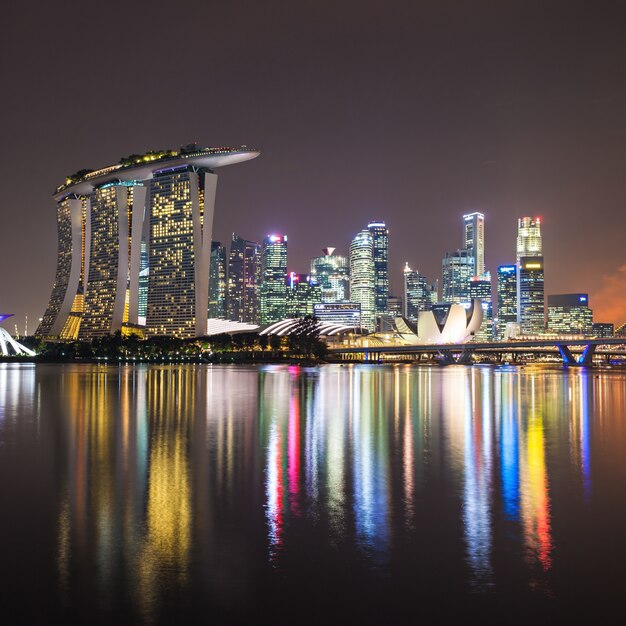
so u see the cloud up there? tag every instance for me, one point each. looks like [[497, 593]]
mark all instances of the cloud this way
[[609, 300]]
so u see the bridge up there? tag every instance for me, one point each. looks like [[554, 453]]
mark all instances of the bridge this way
[[571, 351]]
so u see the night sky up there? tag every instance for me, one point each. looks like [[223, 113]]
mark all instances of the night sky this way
[[412, 112]]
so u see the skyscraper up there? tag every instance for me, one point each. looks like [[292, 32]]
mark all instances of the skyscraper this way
[[507, 298], [273, 275], [569, 314], [217, 281], [380, 243], [144, 270], [419, 295], [530, 276], [244, 280], [103, 218], [457, 269], [529, 242], [480, 287], [302, 295], [363, 277], [474, 240], [332, 273], [531, 309]]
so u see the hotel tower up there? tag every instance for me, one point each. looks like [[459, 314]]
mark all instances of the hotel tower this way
[[158, 205]]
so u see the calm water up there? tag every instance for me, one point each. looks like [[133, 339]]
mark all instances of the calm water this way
[[288, 495]]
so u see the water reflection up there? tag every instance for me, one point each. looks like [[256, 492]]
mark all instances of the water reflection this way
[[179, 485]]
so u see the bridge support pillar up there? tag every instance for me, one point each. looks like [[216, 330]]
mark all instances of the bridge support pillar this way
[[566, 354], [586, 358]]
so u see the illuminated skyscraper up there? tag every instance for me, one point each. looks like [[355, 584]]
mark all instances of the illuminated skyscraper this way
[[530, 276], [217, 281], [457, 269], [332, 273], [302, 295], [117, 215], [569, 314], [103, 217], [144, 269], [531, 308], [380, 242], [419, 295], [273, 275], [244, 280], [363, 277], [507, 298], [529, 242], [474, 240], [480, 287]]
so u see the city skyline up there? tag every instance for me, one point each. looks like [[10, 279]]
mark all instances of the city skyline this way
[[504, 110]]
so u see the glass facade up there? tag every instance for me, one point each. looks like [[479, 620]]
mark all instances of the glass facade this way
[[480, 287], [179, 271], [143, 283], [474, 240], [507, 298], [569, 314], [363, 277], [457, 269], [531, 310], [419, 295], [302, 295], [273, 275], [380, 243], [217, 281], [529, 241], [244, 277], [348, 313], [332, 273]]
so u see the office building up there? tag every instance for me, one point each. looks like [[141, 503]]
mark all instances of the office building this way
[[480, 287], [380, 243], [395, 306], [602, 330], [507, 298], [363, 277], [217, 281], [529, 241], [531, 309], [346, 313], [332, 273], [163, 198], [457, 269], [302, 295], [244, 281], [474, 240], [620, 331], [529, 247], [569, 314], [419, 295], [273, 291]]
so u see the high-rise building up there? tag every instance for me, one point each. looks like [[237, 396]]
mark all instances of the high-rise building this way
[[569, 314], [302, 295], [474, 240], [165, 199], [531, 308], [332, 273], [507, 298], [380, 243], [457, 269], [363, 277], [144, 270], [395, 306], [419, 295], [273, 274], [217, 281], [529, 242], [480, 287], [531, 272], [602, 330], [620, 331], [244, 280]]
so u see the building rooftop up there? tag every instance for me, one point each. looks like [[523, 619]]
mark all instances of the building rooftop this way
[[143, 166]]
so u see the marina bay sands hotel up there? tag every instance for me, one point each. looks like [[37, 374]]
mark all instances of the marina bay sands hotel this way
[[147, 219]]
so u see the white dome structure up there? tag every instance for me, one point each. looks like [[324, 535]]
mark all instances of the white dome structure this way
[[444, 323]]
